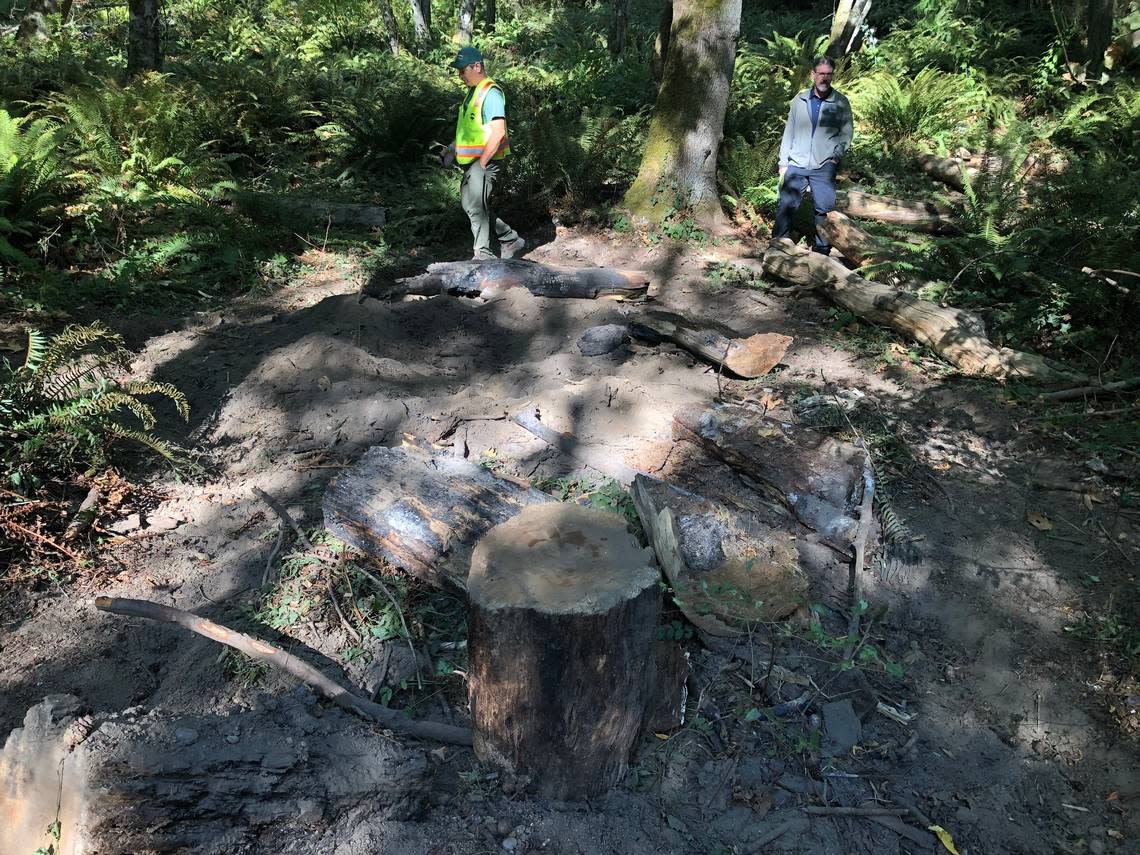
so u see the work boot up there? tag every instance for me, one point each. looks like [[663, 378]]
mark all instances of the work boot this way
[[512, 249]]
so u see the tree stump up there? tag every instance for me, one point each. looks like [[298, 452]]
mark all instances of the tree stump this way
[[564, 608]]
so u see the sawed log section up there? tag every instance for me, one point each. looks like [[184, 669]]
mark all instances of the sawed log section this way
[[956, 335], [729, 571], [749, 357], [421, 511], [563, 614], [816, 476], [485, 278]]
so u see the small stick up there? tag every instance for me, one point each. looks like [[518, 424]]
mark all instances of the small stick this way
[[820, 810], [273, 555], [336, 606], [1082, 391], [39, 538], [278, 509], [400, 614], [1113, 412], [257, 649]]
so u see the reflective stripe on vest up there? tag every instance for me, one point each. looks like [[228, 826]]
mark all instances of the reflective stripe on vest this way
[[470, 132]]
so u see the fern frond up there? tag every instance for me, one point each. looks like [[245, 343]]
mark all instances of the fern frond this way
[[153, 387], [37, 348]]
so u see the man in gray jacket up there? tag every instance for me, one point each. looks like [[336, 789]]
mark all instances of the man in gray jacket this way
[[817, 135]]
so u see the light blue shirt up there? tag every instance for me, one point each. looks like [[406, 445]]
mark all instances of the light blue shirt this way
[[494, 105]]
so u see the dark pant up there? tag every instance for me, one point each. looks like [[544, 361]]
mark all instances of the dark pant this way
[[796, 181]]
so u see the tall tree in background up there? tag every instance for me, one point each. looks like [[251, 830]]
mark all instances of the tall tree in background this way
[[845, 25], [466, 21], [1100, 35], [388, 18], [661, 43], [144, 40], [492, 15], [678, 168], [421, 20], [619, 26]]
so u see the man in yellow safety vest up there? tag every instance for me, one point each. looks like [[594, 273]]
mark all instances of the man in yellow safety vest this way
[[481, 143]]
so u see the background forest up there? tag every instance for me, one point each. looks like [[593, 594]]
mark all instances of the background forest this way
[[124, 190]]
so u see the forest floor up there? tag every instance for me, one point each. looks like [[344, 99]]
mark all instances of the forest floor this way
[[1025, 738]]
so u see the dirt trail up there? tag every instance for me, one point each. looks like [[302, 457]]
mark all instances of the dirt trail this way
[[1013, 751]]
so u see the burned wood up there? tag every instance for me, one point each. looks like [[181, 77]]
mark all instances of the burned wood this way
[[263, 206], [257, 649], [921, 216], [420, 511], [486, 278], [749, 357], [954, 334], [816, 476]]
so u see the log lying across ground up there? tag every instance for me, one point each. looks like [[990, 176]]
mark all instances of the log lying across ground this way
[[269, 206], [564, 607], [818, 477], [485, 278], [855, 244], [921, 216], [423, 512], [748, 357], [956, 335], [728, 569], [952, 171]]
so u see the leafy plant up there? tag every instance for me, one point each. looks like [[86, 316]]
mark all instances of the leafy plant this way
[[32, 180], [67, 405]]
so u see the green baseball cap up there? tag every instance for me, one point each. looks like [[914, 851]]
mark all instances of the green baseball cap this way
[[467, 55]]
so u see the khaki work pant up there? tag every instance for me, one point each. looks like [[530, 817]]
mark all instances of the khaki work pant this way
[[475, 192]]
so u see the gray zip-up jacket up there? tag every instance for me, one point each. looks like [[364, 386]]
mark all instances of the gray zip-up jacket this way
[[832, 137]]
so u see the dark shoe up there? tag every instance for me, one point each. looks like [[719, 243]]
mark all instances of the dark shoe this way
[[513, 249]]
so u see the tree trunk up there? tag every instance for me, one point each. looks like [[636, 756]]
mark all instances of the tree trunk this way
[[921, 216], [678, 168], [491, 15], [661, 43], [388, 18], [957, 336], [1099, 35], [563, 615], [422, 512], [421, 20], [815, 476], [34, 25], [466, 28], [144, 40], [485, 278], [619, 26], [846, 24], [728, 569], [748, 357]]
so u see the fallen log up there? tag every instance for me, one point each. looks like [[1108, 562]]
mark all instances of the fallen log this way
[[819, 478], [953, 171], [748, 357], [956, 335], [728, 570], [420, 511], [264, 206], [921, 216], [563, 615], [854, 243], [257, 649], [486, 278]]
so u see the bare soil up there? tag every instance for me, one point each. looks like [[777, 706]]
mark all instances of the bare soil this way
[[1021, 743]]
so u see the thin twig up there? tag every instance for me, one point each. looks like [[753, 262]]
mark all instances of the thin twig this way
[[336, 606], [400, 614], [39, 538], [278, 509], [820, 810], [273, 555], [257, 649], [1087, 414]]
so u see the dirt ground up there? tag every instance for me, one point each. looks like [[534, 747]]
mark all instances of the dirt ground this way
[[1014, 747]]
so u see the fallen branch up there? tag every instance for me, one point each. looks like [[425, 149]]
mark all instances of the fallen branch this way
[[954, 334], [822, 810], [859, 547], [1086, 414], [257, 649], [748, 357], [279, 509], [1084, 391], [486, 278]]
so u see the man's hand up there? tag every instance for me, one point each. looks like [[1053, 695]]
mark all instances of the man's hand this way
[[783, 169]]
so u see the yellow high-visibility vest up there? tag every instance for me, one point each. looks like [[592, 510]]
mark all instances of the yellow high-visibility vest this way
[[470, 132]]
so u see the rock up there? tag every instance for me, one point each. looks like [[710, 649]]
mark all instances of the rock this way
[[126, 526], [162, 523], [842, 729], [510, 844], [185, 735], [600, 340]]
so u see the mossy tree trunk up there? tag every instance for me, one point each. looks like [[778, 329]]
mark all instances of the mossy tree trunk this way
[[421, 20], [1099, 34], [491, 16], [144, 40], [678, 168], [619, 26], [466, 28], [845, 23], [388, 18]]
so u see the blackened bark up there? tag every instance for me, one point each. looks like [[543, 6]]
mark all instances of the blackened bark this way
[[144, 40]]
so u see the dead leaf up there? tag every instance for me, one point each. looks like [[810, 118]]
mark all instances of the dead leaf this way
[[1039, 521], [324, 383]]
